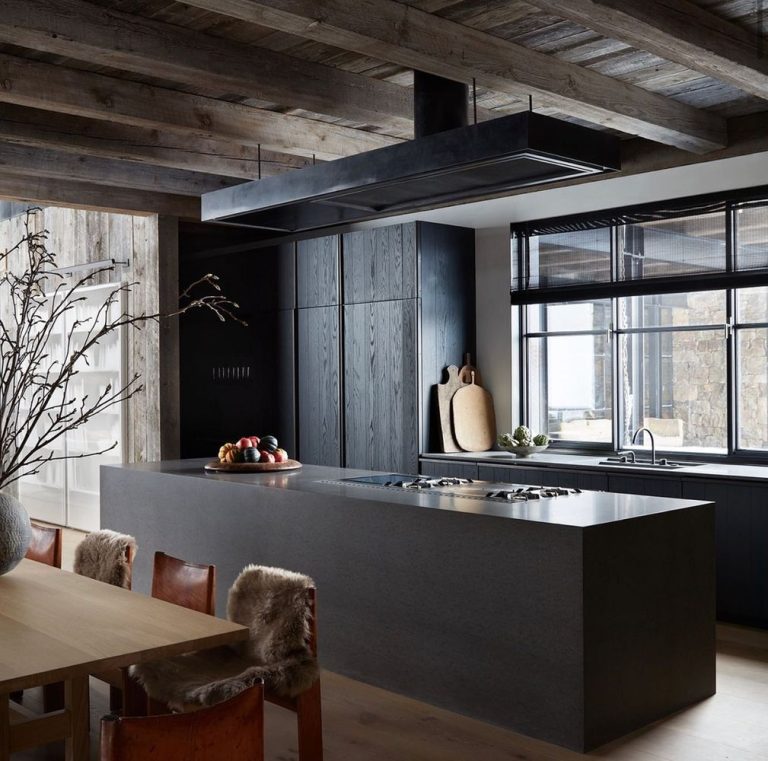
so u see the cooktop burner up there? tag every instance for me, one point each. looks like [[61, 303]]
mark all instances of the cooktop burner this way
[[524, 493], [462, 487], [421, 482]]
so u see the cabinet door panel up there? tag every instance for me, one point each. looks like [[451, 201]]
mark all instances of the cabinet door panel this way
[[449, 468], [317, 272], [506, 474], [380, 264], [380, 386], [741, 592], [319, 386], [653, 487]]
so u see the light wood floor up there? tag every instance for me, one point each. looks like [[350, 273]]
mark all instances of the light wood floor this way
[[363, 723]]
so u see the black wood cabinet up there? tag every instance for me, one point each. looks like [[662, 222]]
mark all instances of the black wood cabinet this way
[[381, 402], [407, 310], [741, 531], [319, 385], [317, 272], [449, 469], [381, 264], [623, 483], [347, 336], [573, 479]]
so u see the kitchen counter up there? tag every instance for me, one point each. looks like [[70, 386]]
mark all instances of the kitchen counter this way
[[589, 508], [574, 619], [551, 459]]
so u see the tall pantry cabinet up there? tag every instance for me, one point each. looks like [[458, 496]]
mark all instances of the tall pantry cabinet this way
[[381, 312]]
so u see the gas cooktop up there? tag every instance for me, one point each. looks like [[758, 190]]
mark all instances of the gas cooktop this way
[[462, 487]]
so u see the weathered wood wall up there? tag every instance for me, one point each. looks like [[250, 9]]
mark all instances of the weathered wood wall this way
[[150, 244]]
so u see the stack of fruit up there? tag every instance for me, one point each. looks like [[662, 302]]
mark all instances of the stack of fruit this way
[[253, 449]]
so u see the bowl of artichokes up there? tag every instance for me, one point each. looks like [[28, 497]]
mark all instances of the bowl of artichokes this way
[[522, 443]]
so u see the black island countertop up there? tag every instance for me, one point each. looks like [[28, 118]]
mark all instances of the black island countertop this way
[[585, 509], [574, 619]]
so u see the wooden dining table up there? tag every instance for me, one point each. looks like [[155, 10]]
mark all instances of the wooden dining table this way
[[56, 626]]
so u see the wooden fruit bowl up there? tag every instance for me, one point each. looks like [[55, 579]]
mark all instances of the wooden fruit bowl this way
[[251, 467]]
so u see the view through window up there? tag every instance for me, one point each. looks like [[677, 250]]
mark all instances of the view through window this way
[[690, 365]]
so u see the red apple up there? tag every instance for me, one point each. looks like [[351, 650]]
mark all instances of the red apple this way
[[280, 455], [267, 457], [254, 441], [244, 443]]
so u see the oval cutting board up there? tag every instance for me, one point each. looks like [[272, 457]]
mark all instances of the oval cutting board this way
[[474, 420], [251, 467]]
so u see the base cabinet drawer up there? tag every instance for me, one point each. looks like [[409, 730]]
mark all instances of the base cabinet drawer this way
[[449, 469]]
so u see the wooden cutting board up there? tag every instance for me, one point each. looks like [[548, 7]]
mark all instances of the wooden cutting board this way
[[474, 420], [465, 374], [445, 392]]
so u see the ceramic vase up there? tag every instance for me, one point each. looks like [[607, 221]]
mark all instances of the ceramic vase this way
[[15, 532]]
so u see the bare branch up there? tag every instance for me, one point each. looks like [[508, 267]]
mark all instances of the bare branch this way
[[37, 402]]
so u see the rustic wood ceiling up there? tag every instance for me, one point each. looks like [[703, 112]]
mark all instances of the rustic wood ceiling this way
[[174, 99]]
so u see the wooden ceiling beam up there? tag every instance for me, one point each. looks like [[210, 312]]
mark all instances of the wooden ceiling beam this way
[[209, 64], [92, 137], [46, 191], [44, 162], [676, 30], [54, 88], [400, 34]]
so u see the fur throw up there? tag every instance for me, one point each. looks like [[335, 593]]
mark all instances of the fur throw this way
[[274, 605], [106, 556]]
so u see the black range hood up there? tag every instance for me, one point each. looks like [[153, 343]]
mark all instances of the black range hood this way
[[450, 166]]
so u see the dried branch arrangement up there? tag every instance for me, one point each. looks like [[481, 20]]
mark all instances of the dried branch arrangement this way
[[37, 401]]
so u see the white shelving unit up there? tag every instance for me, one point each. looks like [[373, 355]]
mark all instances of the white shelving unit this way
[[66, 492]]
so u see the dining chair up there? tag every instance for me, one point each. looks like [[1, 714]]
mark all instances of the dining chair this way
[[45, 546], [279, 608], [229, 731], [183, 583], [108, 556]]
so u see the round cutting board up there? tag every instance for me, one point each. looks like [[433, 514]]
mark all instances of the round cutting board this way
[[474, 421], [251, 467]]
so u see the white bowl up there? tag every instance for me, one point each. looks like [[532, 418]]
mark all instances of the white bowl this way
[[525, 451]]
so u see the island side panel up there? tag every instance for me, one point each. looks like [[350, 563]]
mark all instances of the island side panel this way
[[649, 610], [476, 614]]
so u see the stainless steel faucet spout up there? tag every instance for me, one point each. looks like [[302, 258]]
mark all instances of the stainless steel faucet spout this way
[[653, 442]]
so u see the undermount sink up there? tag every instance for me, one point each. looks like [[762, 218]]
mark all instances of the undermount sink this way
[[660, 464]]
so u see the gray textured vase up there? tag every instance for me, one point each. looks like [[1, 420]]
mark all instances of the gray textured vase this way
[[15, 533]]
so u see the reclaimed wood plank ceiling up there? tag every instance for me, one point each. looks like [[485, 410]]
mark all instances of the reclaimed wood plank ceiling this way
[[207, 93]]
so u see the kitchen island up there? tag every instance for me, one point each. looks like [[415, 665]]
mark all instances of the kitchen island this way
[[574, 618]]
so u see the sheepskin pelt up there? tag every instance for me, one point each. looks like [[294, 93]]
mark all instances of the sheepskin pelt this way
[[274, 605], [104, 556]]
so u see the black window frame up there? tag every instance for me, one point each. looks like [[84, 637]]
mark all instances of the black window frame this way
[[730, 280]]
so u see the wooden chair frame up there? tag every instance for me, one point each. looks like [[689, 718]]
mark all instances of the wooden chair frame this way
[[307, 706]]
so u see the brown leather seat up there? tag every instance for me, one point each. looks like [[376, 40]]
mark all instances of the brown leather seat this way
[[229, 731], [45, 546], [187, 584], [182, 583]]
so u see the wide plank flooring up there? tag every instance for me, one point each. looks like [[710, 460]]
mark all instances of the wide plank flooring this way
[[364, 723]]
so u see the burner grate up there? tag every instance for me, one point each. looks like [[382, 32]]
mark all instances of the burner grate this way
[[526, 493]]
